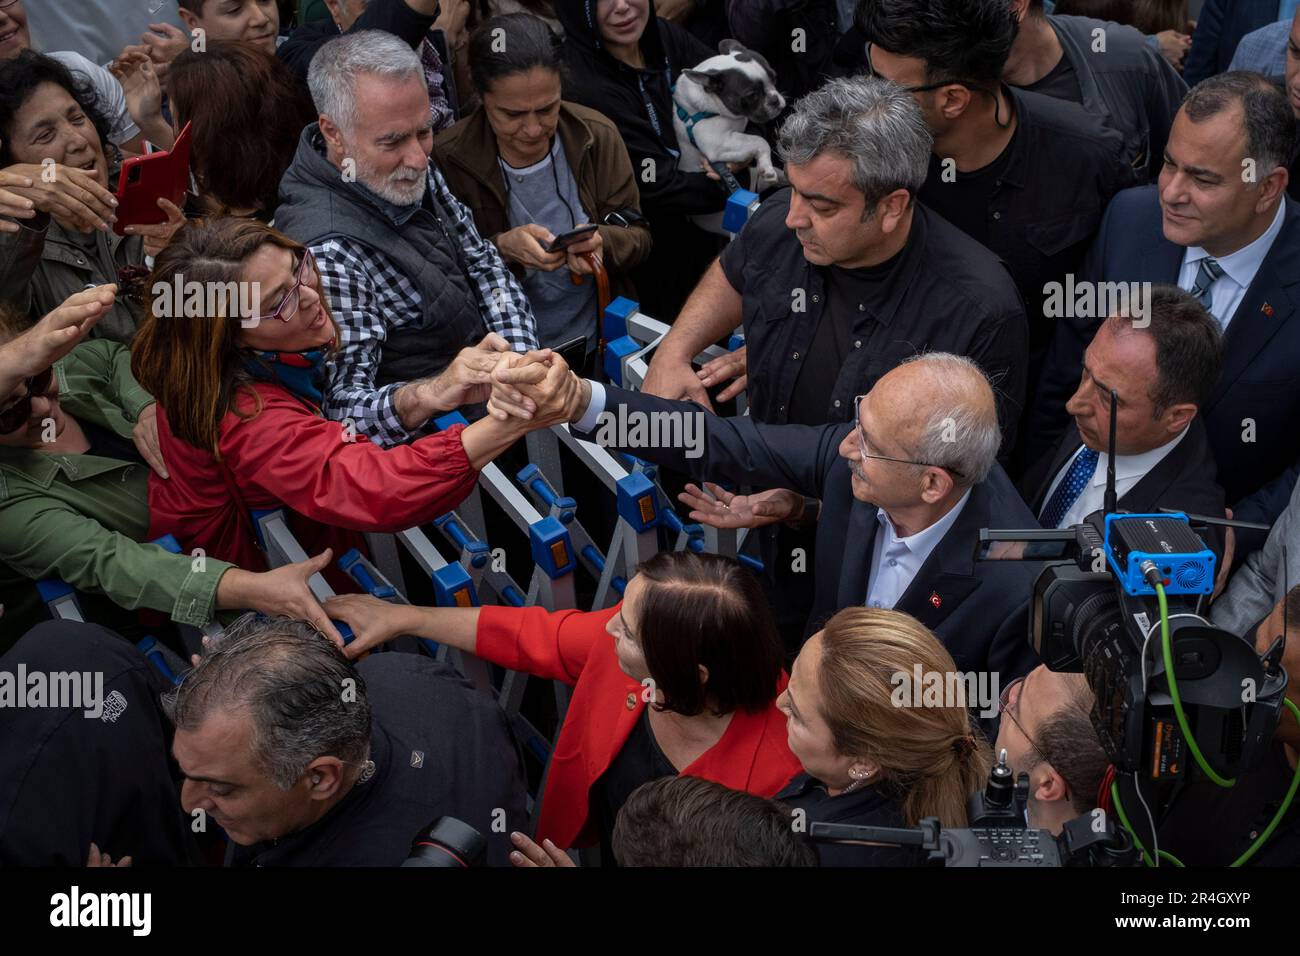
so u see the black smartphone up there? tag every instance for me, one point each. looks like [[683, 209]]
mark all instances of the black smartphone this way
[[564, 240], [574, 352]]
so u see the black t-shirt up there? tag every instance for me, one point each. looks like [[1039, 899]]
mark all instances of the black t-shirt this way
[[965, 200], [849, 292], [878, 805], [640, 761], [1061, 82], [106, 443]]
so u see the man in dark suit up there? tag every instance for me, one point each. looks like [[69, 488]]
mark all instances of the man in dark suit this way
[[1219, 225], [904, 491], [1161, 365]]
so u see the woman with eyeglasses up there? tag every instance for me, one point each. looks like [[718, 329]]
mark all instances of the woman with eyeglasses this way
[[681, 677], [75, 489], [878, 746], [239, 380]]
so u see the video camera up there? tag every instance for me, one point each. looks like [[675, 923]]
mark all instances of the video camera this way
[[1120, 602]]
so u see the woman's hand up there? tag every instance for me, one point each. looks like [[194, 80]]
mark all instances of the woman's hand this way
[[73, 197], [158, 235], [145, 436], [143, 89], [54, 336], [732, 365], [164, 43], [98, 857], [719, 508], [523, 245], [283, 592], [12, 204], [373, 621], [529, 854], [578, 254]]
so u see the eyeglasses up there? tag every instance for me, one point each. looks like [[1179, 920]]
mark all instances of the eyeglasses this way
[[306, 273], [923, 88], [1004, 710], [16, 415], [862, 446]]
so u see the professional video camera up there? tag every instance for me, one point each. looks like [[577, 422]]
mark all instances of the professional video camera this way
[[1177, 700]]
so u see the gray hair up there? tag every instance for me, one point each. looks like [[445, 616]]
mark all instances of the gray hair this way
[[293, 683], [333, 73], [962, 429], [872, 121], [1270, 125]]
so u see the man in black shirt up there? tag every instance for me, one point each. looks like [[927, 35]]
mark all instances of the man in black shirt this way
[[1107, 68], [1026, 175], [305, 761], [838, 280]]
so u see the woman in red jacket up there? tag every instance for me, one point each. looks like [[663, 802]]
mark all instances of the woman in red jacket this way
[[693, 634], [239, 421]]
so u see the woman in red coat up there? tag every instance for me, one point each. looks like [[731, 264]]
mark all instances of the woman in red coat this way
[[693, 634], [239, 421]]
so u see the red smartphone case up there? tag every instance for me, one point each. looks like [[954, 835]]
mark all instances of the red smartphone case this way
[[146, 179]]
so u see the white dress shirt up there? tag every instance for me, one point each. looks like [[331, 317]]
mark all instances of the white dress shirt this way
[[1239, 269], [895, 560], [1129, 470]]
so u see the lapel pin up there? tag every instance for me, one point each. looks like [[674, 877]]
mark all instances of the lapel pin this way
[[935, 599], [631, 701], [1267, 309]]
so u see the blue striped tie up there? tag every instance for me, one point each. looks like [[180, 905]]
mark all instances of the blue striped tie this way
[[1206, 275], [1071, 486]]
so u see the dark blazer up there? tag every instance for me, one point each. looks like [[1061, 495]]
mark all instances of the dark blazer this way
[[1219, 28], [1183, 479], [1258, 381], [978, 609]]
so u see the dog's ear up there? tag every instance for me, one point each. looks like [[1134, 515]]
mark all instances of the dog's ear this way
[[745, 55], [731, 46], [712, 82]]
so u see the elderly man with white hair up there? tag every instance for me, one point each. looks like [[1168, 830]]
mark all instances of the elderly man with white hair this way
[[424, 303], [903, 490]]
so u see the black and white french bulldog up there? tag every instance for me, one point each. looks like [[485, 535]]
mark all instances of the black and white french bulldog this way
[[716, 100]]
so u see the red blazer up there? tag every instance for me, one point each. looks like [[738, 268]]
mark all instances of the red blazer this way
[[288, 455], [573, 646]]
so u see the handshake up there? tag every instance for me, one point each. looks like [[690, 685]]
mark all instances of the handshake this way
[[537, 388]]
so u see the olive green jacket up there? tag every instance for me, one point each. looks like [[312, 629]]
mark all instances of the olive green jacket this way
[[82, 518], [40, 266]]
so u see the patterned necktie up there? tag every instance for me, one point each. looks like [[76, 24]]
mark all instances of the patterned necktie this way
[[1205, 275], [1071, 486]]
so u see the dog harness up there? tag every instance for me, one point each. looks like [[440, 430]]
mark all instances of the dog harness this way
[[690, 119]]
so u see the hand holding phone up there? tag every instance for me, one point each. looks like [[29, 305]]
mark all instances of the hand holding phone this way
[[571, 238]]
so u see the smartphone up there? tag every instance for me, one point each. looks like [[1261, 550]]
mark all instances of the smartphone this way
[[146, 179], [574, 352], [563, 241]]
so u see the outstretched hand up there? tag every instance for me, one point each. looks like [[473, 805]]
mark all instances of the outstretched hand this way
[[719, 508]]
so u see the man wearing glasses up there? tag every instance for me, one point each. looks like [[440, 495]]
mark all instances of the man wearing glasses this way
[[1046, 730], [1024, 174], [904, 491]]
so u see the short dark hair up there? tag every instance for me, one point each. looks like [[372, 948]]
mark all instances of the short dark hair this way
[[1270, 124], [293, 683], [1189, 347], [1068, 741], [690, 821], [526, 43], [707, 609], [19, 79], [959, 40]]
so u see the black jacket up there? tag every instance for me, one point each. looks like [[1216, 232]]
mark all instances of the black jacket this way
[[1183, 480], [440, 747], [1128, 84], [1258, 385], [945, 293], [978, 609], [1063, 168], [393, 16], [640, 103], [1219, 28], [801, 62], [67, 780]]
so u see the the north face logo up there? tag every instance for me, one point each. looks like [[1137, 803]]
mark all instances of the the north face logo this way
[[114, 707]]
